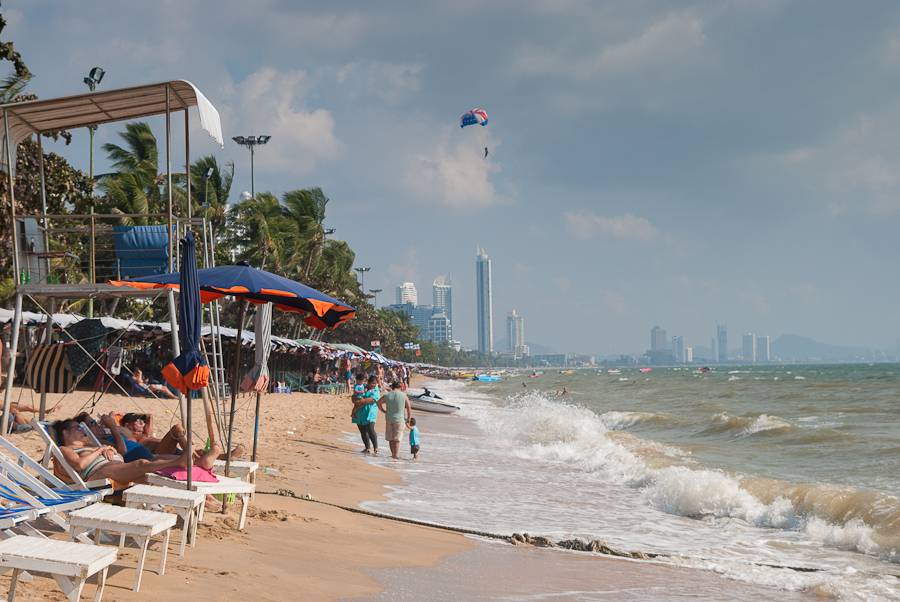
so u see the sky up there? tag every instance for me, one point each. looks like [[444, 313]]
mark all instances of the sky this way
[[678, 164]]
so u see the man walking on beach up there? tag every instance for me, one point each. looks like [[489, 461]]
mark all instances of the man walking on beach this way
[[397, 410]]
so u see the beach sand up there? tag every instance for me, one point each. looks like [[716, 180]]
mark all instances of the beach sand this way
[[298, 550]]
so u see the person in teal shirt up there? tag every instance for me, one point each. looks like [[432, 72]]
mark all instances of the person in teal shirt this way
[[365, 412], [413, 438]]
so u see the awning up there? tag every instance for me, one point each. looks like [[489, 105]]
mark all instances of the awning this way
[[68, 112]]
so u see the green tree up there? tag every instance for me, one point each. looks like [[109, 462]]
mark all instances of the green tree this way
[[210, 195], [304, 209]]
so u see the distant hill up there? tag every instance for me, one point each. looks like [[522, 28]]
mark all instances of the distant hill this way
[[793, 347]]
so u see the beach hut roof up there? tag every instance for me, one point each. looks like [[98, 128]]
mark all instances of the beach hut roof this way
[[68, 112]]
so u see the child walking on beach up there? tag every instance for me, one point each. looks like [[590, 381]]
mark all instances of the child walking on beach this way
[[413, 438]]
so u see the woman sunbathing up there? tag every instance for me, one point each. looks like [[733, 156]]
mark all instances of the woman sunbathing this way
[[153, 388], [94, 462]]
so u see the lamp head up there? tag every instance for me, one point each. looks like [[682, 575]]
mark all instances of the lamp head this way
[[262, 139], [329, 231], [240, 140], [209, 173]]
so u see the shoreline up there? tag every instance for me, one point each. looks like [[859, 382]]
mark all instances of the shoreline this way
[[293, 548]]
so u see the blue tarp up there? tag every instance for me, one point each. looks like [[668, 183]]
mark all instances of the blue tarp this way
[[141, 250]]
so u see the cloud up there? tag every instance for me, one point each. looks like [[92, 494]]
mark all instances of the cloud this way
[[269, 101], [613, 301], [670, 41], [855, 168], [456, 176], [406, 268], [585, 224], [393, 83]]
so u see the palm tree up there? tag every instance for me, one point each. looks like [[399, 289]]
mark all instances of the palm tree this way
[[304, 209], [211, 194], [137, 186], [259, 232]]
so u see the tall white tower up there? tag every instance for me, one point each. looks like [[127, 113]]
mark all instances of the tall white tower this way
[[484, 302], [406, 293]]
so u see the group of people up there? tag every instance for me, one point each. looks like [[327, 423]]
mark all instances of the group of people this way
[[368, 400], [128, 448]]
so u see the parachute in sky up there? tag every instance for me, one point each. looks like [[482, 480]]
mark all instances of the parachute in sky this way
[[473, 117]]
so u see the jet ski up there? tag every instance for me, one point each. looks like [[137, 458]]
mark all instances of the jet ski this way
[[427, 401]]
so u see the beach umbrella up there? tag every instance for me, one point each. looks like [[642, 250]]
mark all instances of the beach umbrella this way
[[189, 371], [257, 286], [258, 378], [252, 285]]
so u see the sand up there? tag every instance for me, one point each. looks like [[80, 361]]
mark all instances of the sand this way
[[298, 550]]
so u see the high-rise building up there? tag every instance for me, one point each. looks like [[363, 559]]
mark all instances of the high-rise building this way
[[688, 355], [439, 331], [748, 345], [406, 293], [658, 340], [722, 342], [442, 296], [484, 302], [763, 349], [515, 334], [713, 349], [678, 348]]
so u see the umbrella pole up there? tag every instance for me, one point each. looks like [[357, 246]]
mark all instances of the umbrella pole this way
[[256, 427], [235, 383], [190, 442]]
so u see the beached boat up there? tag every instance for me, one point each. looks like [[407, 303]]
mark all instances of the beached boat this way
[[431, 403]]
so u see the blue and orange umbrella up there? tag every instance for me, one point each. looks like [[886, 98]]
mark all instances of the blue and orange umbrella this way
[[257, 286], [242, 282]]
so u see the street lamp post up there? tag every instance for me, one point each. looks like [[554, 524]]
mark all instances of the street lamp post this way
[[362, 274], [93, 79], [375, 292], [251, 142]]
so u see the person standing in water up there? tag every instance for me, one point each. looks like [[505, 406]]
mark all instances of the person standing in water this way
[[397, 410]]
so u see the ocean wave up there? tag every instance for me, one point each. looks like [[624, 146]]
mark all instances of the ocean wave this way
[[747, 425], [615, 420], [842, 517]]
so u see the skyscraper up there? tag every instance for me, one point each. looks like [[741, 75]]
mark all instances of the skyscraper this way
[[749, 347], [763, 349], [722, 342], [658, 340], [678, 349], [406, 293], [515, 334], [484, 302], [442, 296]]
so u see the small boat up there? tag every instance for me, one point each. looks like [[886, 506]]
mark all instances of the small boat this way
[[487, 378], [646, 370], [430, 402], [567, 372], [614, 371]]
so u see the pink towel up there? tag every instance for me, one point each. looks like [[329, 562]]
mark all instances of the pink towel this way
[[199, 474]]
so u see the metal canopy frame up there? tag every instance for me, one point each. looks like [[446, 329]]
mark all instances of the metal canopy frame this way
[[21, 120]]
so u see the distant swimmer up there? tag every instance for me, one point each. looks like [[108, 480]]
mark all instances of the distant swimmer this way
[[485, 152]]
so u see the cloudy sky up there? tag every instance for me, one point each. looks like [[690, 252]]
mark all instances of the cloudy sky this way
[[672, 163]]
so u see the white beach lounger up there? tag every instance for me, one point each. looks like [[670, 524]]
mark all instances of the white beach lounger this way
[[186, 504], [54, 452], [241, 469], [225, 486], [140, 525], [70, 564]]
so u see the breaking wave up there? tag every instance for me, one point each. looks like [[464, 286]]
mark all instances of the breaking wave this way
[[841, 517]]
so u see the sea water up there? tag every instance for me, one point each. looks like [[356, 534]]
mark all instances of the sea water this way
[[740, 471]]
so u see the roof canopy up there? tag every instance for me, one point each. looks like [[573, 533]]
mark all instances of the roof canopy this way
[[39, 116]]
